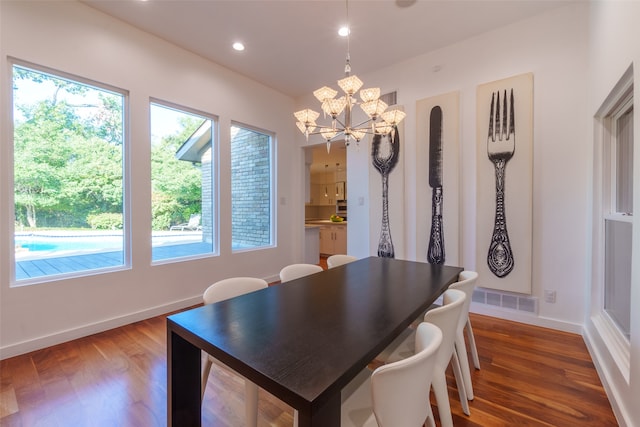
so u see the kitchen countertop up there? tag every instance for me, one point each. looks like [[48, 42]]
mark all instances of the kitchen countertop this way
[[324, 222]]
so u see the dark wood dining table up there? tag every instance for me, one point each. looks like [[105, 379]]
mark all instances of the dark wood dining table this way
[[302, 340]]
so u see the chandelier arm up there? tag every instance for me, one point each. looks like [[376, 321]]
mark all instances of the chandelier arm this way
[[337, 120], [338, 133], [368, 121]]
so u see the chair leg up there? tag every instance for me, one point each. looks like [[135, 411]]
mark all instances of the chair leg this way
[[472, 344], [295, 418], [461, 350], [457, 373], [206, 369], [251, 403], [439, 385], [431, 422]]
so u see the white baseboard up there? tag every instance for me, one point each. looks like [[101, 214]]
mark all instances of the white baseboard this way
[[524, 317], [93, 328]]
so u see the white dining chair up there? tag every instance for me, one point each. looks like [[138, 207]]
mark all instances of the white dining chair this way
[[395, 394], [295, 271], [466, 283], [446, 317], [220, 291], [339, 259]]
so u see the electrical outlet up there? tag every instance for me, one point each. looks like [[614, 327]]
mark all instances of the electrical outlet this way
[[549, 296]]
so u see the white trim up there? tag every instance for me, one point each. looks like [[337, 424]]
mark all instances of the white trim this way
[[598, 355], [93, 328], [618, 345], [527, 318]]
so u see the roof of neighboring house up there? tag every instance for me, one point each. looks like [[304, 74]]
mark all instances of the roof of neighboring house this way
[[191, 150]]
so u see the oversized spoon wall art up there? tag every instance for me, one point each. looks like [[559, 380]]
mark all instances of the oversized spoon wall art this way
[[385, 154], [504, 183]]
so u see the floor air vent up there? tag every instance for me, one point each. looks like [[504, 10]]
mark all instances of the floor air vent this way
[[505, 300]]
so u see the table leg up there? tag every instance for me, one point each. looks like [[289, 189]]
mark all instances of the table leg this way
[[326, 416], [183, 382]]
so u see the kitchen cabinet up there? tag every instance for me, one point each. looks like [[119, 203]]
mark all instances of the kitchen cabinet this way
[[341, 193], [318, 192], [333, 239]]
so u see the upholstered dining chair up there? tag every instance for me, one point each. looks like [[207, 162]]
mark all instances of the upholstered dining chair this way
[[396, 394], [295, 271], [339, 259], [446, 317], [220, 291]]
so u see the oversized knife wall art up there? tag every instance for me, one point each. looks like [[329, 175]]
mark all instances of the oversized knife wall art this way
[[504, 129], [437, 203]]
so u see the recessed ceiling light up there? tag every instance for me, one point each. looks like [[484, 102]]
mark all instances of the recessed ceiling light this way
[[343, 31], [238, 46]]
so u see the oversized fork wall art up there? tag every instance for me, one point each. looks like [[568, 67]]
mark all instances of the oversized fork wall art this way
[[504, 129]]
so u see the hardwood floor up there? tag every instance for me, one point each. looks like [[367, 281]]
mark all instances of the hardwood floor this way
[[530, 376]]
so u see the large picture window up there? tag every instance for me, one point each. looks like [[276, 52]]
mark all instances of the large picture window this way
[[251, 188], [67, 173], [182, 183]]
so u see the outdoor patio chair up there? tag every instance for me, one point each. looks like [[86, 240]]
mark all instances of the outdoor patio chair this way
[[193, 224]]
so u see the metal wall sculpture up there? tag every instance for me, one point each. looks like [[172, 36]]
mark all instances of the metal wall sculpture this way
[[505, 179], [385, 153], [437, 175]]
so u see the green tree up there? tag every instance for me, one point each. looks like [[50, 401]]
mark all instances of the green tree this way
[[67, 158], [40, 154], [177, 186]]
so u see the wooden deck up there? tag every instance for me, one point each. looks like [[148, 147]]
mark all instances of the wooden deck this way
[[68, 264]]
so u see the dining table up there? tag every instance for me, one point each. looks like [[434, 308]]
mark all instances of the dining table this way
[[304, 340]]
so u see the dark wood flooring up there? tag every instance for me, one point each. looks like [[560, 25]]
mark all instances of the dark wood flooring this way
[[530, 376]]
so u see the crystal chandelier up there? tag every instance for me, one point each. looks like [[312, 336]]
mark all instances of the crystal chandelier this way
[[379, 121]]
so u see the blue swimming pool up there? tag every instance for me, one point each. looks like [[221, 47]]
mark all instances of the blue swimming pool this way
[[49, 244], [39, 243]]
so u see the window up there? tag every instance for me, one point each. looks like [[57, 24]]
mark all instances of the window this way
[[67, 174], [182, 184], [617, 218], [251, 188]]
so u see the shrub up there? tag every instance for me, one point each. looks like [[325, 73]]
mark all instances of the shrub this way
[[105, 221]]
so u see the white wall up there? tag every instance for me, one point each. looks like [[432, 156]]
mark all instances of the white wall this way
[[73, 38], [613, 47], [553, 47], [576, 55]]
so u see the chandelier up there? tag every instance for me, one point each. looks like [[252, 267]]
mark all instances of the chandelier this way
[[379, 120]]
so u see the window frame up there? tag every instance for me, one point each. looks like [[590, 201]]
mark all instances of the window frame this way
[[273, 210], [215, 176], [126, 174], [604, 197]]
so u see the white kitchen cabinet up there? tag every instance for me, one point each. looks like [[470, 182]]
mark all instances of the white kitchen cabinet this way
[[318, 192], [341, 193], [333, 239]]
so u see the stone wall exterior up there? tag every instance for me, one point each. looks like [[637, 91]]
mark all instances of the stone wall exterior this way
[[207, 195], [250, 189]]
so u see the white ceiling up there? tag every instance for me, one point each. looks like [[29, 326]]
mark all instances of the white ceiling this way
[[293, 46]]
